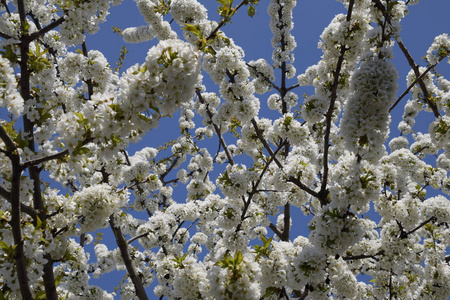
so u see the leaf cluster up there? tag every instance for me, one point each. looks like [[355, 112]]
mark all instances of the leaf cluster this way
[[233, 264]]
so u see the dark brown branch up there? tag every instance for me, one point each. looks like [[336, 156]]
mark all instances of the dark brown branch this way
[[255, 189], [264, 142], [6, 7], [379, 5], [391, 294], [276, 230], [169, 169], [51, 26], [363, 256], [21, 269], [329, 116], [184, 233], [216, 129], [137, 237], [426, 94], [287, 222], [49, 279], [176, 230], [413, 84], [41, 160], [11, 146], [264, 77], [124, 251], [34, 172], [298, 183], [5, 36], [292, 87], [123, 247], [271, 153], [7, 140], [284, 110], [302, 295], [266, 167], [431, 219], [24, 208], [223, 22], [89, 82], [414, 67]]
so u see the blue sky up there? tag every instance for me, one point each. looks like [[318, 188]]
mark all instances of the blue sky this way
[[426, 20]]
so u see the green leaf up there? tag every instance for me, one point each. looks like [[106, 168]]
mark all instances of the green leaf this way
[[115, 140], [68, 256], [238, 258], [37, 61], [167, 57], [226, 10], [40, 295], [271, 291], [4, 295], [81, 151], [163, 7], [251, 10], [10, 251], [38, 222], [195, 29], [10, 54], [179, 260]]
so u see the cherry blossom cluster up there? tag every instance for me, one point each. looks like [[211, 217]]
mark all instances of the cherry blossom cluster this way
[[281, 24], [365, 124], [9, 96]]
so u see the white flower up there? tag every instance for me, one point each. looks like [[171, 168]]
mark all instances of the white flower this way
[[138, 34], [365, 124], [9, 95], [95, 204], [439, 49], [437, 207]]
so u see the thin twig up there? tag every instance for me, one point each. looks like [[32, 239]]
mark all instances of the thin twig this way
[[422, 85], [414, 83], [216, 128], [223, 22], [41, 160], [363, 256], [329, 116]]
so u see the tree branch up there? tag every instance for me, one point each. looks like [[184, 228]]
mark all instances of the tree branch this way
[[431, 219], [123, 247], [5, 36], [89, 82], [329, 115], [34, 172], [41, 160], [264, 77], [216, 128], [224, 21], [21, 269], [363, 256], [422, 85], [276, 230], [24, 208], [379, 5], [51, 26], [413, 84]]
